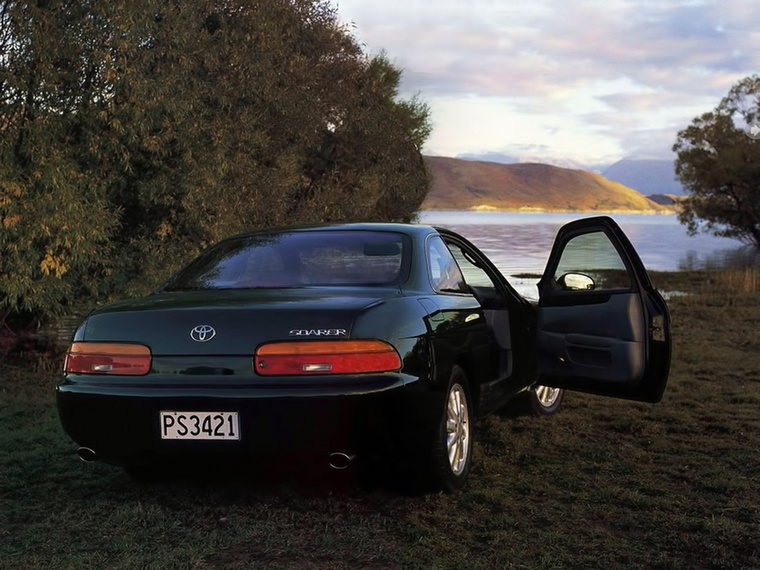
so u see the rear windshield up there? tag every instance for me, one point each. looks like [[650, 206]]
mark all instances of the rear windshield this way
[[299, 259]]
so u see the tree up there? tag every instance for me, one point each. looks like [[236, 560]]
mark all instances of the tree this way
[[134, 134], [54, 219], [718, 161]]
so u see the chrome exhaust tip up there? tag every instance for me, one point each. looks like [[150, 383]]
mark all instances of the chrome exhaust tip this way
[[340, 461], [86, 454]]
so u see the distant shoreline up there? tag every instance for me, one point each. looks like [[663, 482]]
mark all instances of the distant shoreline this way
[[532, 210]]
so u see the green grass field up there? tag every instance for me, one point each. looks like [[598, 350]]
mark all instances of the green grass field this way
[[603, 484]]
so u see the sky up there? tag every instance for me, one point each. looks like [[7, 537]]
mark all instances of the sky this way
[[587, 81]]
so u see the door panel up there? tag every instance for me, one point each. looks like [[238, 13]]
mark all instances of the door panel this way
[[602, 327], [607, 344]]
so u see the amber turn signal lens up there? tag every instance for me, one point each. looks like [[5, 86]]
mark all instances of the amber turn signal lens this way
[[107, 358], [325, 357]]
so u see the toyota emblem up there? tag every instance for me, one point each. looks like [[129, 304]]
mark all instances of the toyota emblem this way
[[202, 333]]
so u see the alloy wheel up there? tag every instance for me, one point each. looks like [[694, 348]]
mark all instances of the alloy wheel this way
[[547, 396], [457, 429]]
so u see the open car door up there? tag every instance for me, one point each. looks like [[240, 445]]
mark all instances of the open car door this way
[[602, 327]]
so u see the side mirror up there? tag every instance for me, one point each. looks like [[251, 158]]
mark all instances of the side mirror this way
[[576, 282]]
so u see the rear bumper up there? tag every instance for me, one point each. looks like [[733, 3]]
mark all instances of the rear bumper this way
[[121, 424]]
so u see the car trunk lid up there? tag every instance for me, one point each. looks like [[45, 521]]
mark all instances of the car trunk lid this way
[[232, 322]]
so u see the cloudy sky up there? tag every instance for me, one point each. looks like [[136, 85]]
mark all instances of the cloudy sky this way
[[591, 81]]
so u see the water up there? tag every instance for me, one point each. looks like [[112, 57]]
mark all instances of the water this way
[[520, 243]]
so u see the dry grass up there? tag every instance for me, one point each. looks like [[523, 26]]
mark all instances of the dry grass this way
[[724, 284], [603, 484], [742, 281]]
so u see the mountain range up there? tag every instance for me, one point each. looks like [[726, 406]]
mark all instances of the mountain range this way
[[459, 184], [648, 176]]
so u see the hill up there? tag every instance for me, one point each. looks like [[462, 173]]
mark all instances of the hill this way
[[462, 185], [646, 176]]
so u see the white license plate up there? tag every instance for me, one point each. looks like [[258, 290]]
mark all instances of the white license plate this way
[[199, 425]]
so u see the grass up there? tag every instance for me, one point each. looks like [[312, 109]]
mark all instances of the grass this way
[[603, 484]]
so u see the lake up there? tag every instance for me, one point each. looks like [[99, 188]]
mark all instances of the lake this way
[[520, 242]]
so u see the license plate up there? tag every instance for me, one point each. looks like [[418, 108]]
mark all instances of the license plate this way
[[199, 425]]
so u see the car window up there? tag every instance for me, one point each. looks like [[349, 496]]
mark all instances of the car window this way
[[445, 275], [591, 262], [474, 276], [298, 259]]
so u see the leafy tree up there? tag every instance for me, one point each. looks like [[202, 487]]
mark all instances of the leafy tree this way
[[719, 163], [54, 218], [135, 133]]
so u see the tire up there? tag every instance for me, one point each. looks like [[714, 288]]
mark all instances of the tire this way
[[544, 400], [451, 457]]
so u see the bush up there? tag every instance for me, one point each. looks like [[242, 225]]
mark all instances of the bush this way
[[134, 135]]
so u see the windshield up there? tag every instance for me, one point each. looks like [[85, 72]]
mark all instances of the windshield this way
[[299, 259]]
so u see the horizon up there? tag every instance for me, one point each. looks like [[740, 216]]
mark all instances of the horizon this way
[[560, 162]]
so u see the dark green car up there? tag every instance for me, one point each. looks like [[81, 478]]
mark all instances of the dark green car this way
[[375, 343]]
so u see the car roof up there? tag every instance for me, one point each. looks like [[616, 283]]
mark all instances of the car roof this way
[[412, 230]]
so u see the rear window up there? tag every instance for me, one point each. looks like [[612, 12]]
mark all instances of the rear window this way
[[299, 259]]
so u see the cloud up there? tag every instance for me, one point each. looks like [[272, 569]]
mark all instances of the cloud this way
[[473, 42], [593, 64]]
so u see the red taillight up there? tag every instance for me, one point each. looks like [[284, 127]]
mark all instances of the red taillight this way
[[107, 358], [326, 357]]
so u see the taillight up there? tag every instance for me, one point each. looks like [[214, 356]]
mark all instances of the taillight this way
[[325, 357], [107, 358]]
